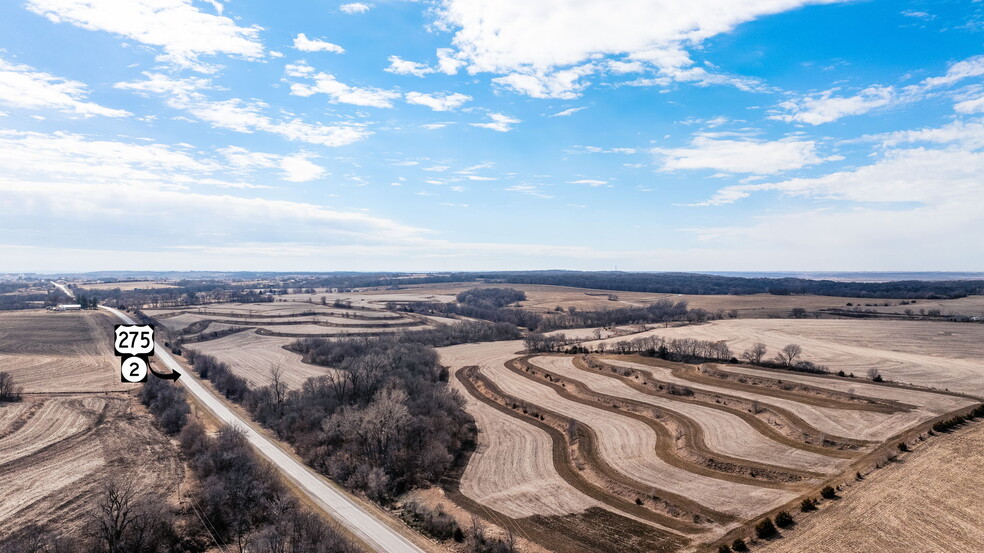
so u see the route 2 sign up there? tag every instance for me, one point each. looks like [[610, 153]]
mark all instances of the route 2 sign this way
[[134, 344]]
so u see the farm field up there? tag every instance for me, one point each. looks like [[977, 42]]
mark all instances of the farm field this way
[[697, 465], [129, 285], [927, 501], [251, 356], [544, 298], [933, 354], [286, 318], [59, 351], [57, 451]]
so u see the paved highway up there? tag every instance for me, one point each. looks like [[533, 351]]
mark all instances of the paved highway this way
[[374, 533]]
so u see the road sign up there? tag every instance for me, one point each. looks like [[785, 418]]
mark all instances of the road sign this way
[[133, 369], [134, 344], [134, 340]]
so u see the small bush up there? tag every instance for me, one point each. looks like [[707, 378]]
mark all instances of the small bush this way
[[828, 492], [903, 447], [724, 549], [808, 505], [739, 545], [765, 530], [784, 519]]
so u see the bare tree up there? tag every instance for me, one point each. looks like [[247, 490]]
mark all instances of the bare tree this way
[[114, 516], [755, 354], [9, 390], [874, 374], [278, 386], [572, 431], [788, 355]]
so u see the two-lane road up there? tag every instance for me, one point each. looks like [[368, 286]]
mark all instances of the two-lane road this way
[[376, 534]]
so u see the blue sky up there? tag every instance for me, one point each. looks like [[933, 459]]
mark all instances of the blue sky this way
[[469, 135]]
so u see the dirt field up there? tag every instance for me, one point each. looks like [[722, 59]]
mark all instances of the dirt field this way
[[251, 356], [134, 285], [49, 351], [544, 298], [862, 425], [56, 451], [511, 471], [933, 354], [928, 501], [723, 432]]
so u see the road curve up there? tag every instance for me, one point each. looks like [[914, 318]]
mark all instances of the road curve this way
[[364, 525]]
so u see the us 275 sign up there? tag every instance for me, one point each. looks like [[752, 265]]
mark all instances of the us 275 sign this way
[[134, 344]]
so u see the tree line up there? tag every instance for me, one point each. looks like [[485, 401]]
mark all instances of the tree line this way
[[495, 305]]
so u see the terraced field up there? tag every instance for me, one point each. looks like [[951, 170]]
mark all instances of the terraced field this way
[[938, 355], [690, 453]]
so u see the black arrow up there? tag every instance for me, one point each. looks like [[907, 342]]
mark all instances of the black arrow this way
[[173, 375]]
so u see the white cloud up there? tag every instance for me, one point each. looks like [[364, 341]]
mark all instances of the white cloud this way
[[973, 105], [354, 7], [183, 31], [565, 84], [933, 177], [435, 126], [22, 86], [339, 92], [918, 15], [965, 134], [816, 110], [529, 43], [240, 115], [529, 190], [740, 156], [480, 178], [305, 44], [500, 122], [295, 168], [401, 66], [438, 102], [590, 182], [970, 67], [568, 112]]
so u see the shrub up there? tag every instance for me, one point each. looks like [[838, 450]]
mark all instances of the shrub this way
[[766, 530], [784, 519], [903, 447], [808, 505], [724, 549], [739, 545], [828, 492]]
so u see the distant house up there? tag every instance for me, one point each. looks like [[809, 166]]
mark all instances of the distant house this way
[[69, 307]]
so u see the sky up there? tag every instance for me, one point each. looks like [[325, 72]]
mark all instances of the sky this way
[[707, 135]]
